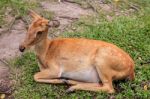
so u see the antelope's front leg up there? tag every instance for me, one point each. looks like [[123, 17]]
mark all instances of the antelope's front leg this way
[[48, 76]]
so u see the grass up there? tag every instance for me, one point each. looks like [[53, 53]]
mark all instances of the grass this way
[[131, 33]]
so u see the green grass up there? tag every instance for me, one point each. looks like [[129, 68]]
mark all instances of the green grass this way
[[131, 33]]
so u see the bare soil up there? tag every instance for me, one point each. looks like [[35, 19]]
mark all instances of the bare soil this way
[[65, 12]]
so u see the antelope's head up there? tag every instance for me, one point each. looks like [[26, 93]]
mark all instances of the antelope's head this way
[[37, 30]]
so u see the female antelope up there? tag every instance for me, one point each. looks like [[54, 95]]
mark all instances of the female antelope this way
[[83, 63]]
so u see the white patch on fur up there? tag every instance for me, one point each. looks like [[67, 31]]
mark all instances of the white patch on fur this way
[[60, 72], [84, 75]]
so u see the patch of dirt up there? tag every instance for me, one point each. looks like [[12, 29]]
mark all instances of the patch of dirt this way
[[9, 42], [5, 83], [65, 9], [65, 12]]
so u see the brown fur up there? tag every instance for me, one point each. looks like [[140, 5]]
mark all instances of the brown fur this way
[[72, 56]]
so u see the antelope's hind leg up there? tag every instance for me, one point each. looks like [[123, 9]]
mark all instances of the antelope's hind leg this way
[[106, 74], [72, 82], [91, 87], [106, 85]]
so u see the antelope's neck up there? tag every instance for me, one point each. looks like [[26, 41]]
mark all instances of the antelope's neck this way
[[40, 48]]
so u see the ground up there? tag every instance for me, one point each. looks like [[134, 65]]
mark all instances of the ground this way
[[122, 23]]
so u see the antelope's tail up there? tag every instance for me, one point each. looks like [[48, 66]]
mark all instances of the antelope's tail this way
[[132, 74]]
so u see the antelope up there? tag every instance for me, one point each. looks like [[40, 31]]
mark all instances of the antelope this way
[[84, 64]]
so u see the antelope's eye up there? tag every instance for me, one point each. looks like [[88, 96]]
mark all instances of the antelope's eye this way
[[39, 33]]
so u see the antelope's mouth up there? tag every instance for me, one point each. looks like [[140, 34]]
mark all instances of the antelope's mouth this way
[[21, 48]]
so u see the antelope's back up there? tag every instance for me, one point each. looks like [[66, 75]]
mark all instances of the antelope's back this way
[[82, 51]]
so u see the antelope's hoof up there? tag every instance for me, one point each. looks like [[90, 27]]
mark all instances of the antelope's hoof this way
[[111, 91], [70, 90], [65, 81]]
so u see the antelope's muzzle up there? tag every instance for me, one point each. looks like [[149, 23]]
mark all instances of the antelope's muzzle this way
[[21, 48]]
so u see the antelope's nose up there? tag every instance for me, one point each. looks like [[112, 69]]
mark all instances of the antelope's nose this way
[[21, 48]]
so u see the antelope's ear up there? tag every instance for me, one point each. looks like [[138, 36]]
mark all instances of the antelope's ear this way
[[54, 23], [34, 15]]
